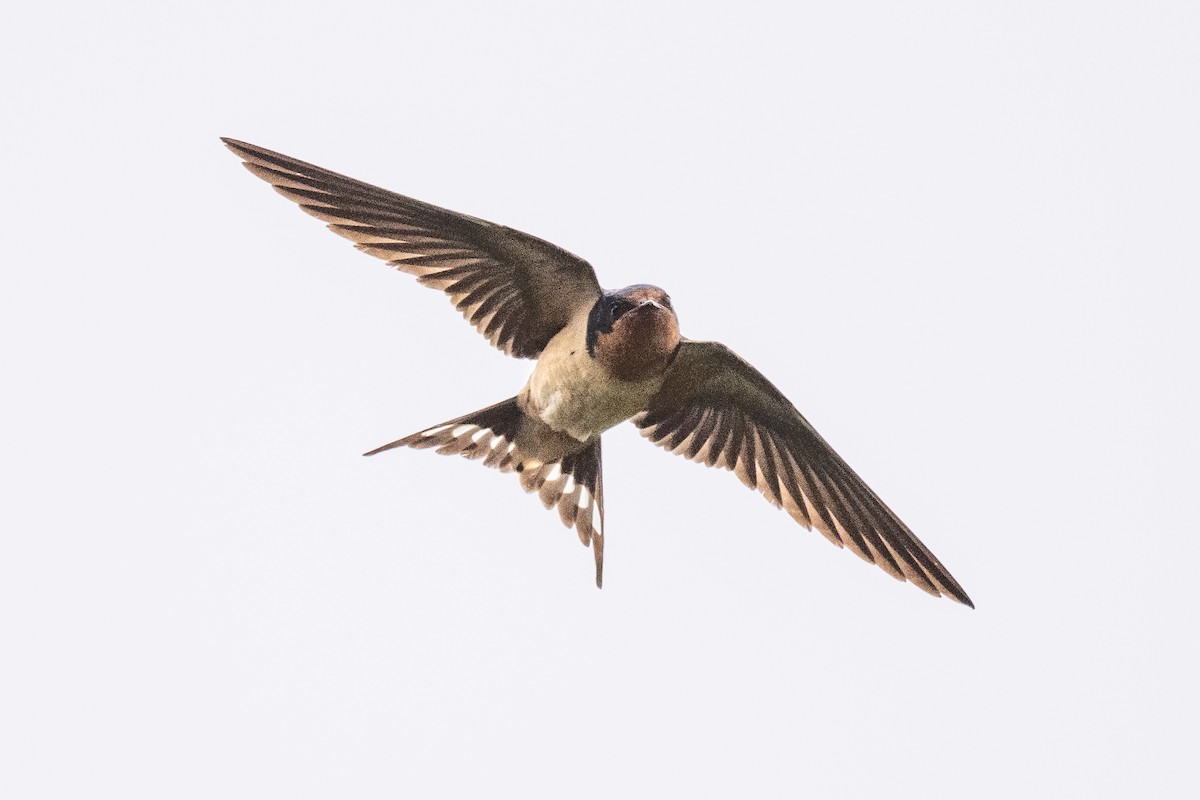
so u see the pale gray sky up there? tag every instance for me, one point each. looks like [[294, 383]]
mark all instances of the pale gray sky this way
[[962, 238]]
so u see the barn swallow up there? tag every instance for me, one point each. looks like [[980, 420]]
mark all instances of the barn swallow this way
[[602, 357]]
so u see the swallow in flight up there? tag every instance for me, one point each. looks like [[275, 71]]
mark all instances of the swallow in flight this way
[[602, 357]]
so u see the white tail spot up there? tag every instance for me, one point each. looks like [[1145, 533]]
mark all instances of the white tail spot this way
[[482, 432], [434, 431], [462, 430], [569, 486], [554, 474], [499, 440], [585, 497]]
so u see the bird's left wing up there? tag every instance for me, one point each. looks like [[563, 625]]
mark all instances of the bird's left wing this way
[[516, 289], [717, 409]]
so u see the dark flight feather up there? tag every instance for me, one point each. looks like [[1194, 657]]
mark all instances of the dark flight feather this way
[[743, 423], [516, 289]]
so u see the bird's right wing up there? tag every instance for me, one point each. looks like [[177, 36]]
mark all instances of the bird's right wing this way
[[717, 409], [517, 290]]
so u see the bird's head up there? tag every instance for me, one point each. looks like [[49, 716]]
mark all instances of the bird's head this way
[[633, 332]]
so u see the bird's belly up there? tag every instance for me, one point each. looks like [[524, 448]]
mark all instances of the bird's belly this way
[[572, 393]]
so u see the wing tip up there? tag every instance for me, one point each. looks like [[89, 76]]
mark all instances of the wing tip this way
[[959, 596], [236, 145]]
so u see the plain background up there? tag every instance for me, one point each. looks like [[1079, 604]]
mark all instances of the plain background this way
[[961, 237]]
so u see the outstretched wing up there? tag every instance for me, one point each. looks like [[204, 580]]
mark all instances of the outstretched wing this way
[[717, 409], [517, 290]]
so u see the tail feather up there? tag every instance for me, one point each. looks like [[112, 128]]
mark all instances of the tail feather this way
[[490, 433], [573, 486], [572, 483]]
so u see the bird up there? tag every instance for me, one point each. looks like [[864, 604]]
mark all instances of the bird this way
[[601, 358]]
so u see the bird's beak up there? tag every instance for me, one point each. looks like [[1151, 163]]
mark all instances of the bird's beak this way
[[652, 303]]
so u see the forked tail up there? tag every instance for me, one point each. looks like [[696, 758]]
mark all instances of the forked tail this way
[[499, 434]]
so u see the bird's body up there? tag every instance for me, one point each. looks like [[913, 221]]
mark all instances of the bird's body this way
[[584, 393], [572, 392], [602, 358]]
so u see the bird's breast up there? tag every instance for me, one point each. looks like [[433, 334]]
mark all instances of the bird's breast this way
[[576, 394]]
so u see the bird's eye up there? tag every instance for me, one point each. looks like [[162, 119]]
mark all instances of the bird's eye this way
[[613, 312]]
